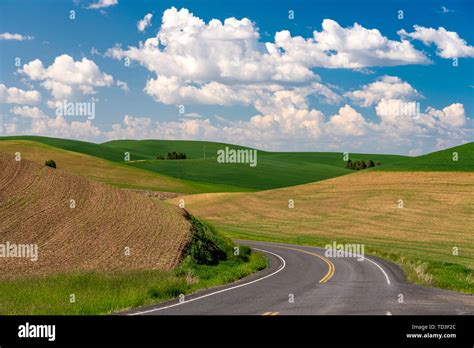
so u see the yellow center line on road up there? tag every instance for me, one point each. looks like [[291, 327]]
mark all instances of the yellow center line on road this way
[[331, 270], [271, 313]]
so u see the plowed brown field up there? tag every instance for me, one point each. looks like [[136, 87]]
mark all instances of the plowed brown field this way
[[108, 230]]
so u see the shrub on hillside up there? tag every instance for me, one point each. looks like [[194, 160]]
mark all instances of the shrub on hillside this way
[[205, 247], [359, 165], [50, 163], [175, 155]]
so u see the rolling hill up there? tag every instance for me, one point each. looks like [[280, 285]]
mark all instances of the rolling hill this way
[[274, 169], [102, 229], [149, 149], [268, 174], [202, 173], [113, 173], [438, 161], [84, 147]]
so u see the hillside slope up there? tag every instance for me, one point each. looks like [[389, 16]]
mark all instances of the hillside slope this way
[[438, 161], [108, 229], [92, 149], [112, 173], [273, 169], [201, 172], [268, 174], [201, 169], [149, 149]]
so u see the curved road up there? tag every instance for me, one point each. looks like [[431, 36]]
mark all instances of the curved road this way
[[300, 280]]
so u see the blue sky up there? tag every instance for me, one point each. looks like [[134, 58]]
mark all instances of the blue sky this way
[[296, 98]]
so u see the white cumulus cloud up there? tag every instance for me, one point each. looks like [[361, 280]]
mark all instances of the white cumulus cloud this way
[[66, 77], [58, 126], [145, 22], [386, 87], [449, 43], [353, 47], [285, 122], [15, 95], [347, 122], [450, 116], [28, 112], [102, 4], [15, 37], [201, 62], [123, 86]]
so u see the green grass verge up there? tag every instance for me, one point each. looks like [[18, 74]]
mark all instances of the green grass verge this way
[[104, 293], [418, 268]]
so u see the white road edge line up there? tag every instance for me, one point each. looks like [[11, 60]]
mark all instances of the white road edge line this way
[[357, 255], [380, 267], [220, 291]]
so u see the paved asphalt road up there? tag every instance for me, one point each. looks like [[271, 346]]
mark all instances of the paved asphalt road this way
[[318, 285]]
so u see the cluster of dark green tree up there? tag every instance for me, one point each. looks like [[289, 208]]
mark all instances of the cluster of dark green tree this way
[[50, 163], [358, 165], [172, 156]]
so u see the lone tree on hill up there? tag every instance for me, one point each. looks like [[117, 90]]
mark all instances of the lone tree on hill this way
[[50, 163]]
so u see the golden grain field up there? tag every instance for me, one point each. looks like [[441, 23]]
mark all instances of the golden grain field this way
[[365, 207]]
